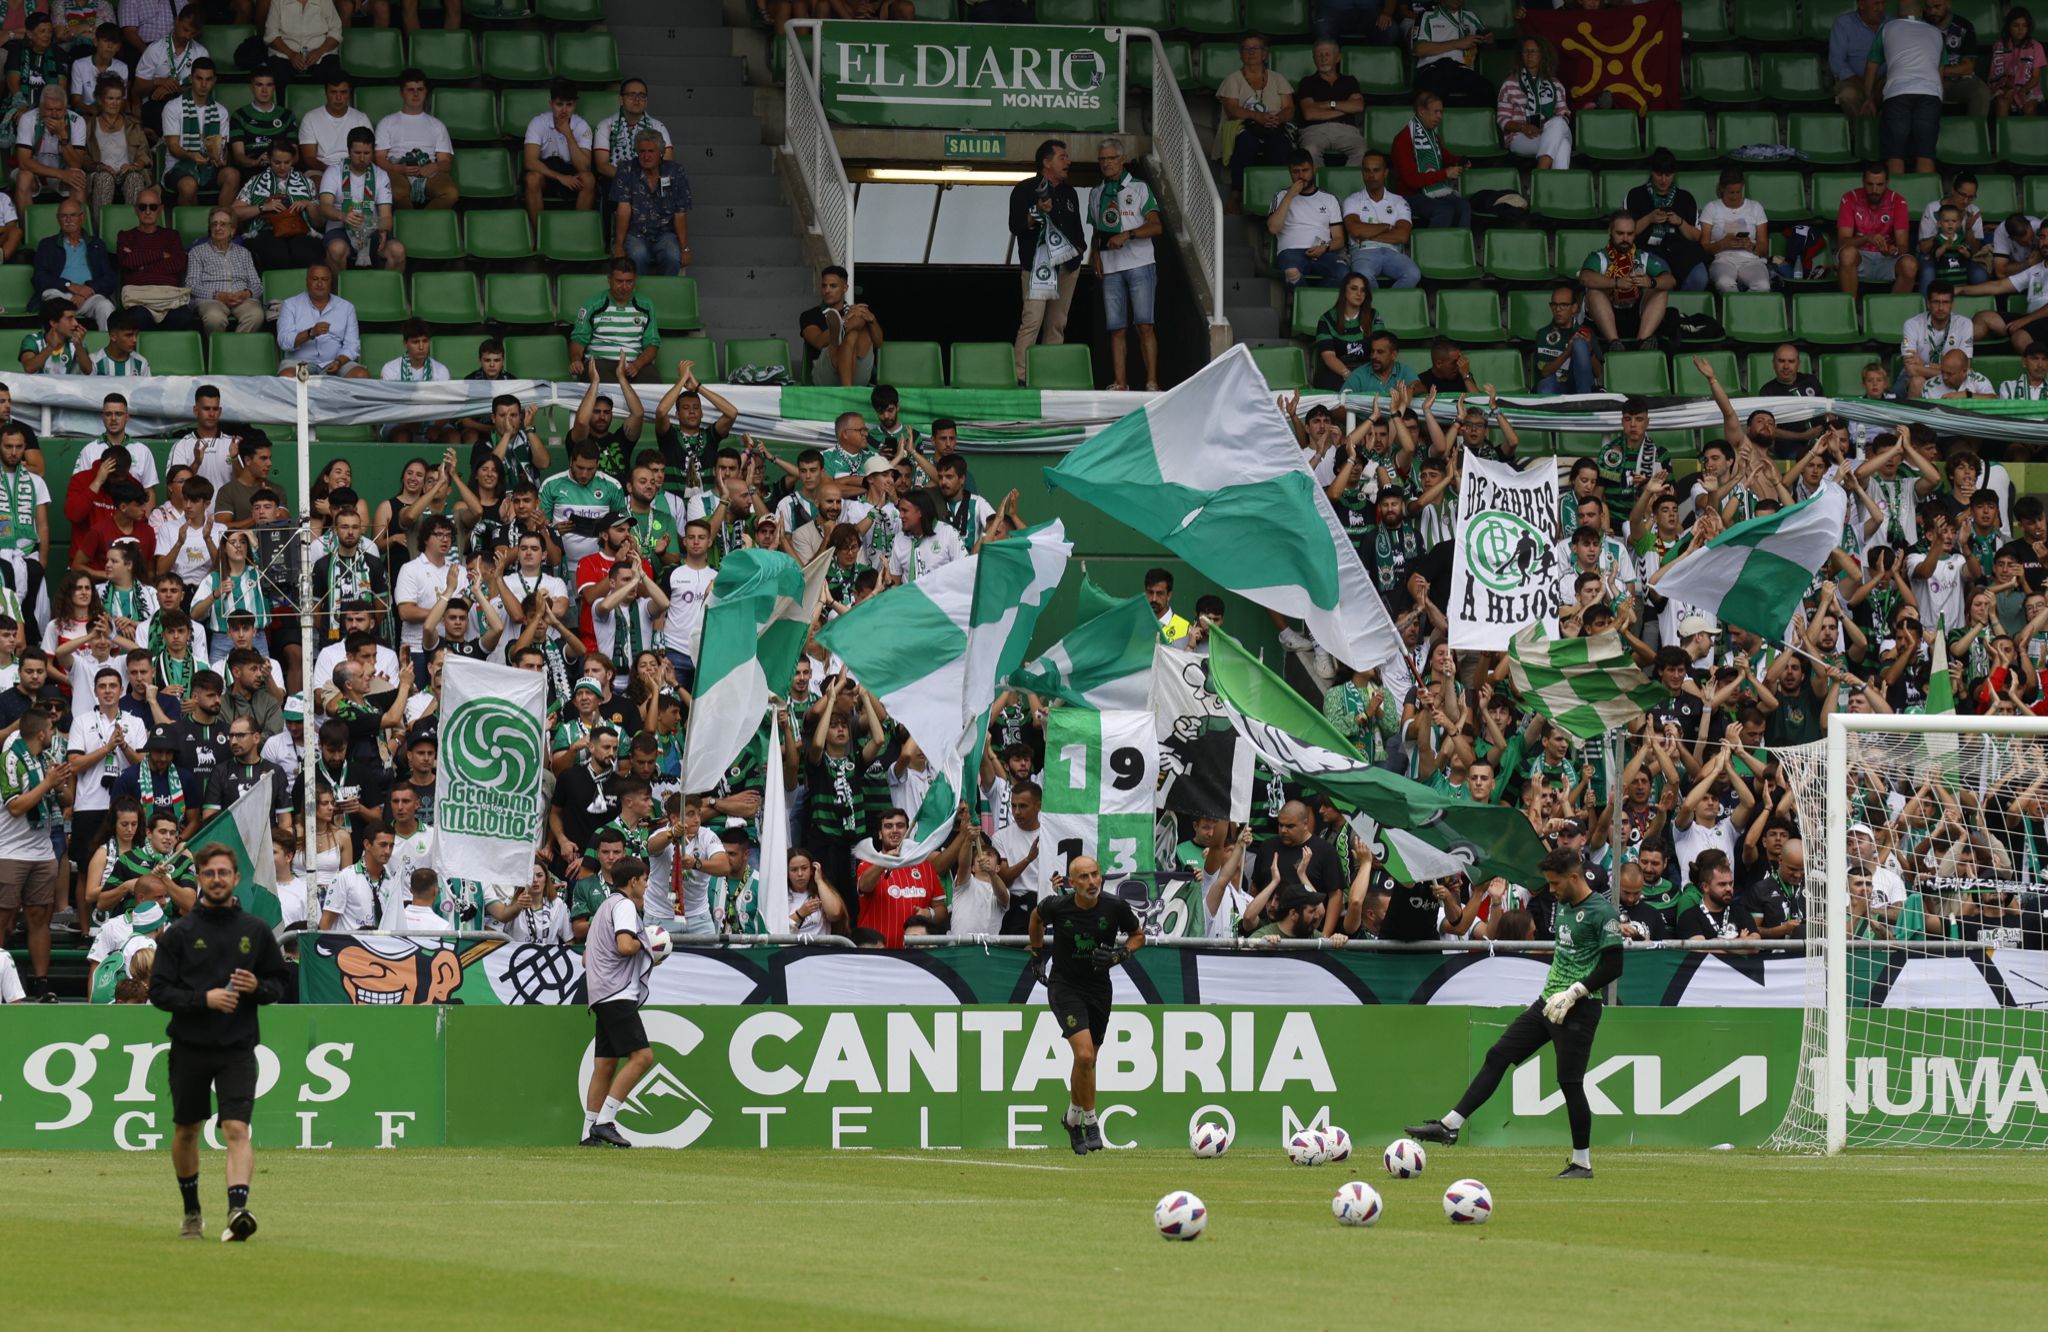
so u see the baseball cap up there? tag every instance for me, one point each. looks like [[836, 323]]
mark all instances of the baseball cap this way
[[592, 685], [621, 520], [1862, 828], [877, 466], [1696, 624], [1295, 899], [161, 741]]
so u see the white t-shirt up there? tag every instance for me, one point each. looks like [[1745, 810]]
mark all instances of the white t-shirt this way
[[541, 132], [48, 147], [1390, 210], [422, 918], [1940, 594], [1689, 842], [86, 76], [396, 366], [1973, 383], [602, 137], [217, 464], [329, 134], [411, 853], [376, 181], [1930, 221], [913, 558], [1930, 344], [1718, 221], [90, 730], [291, 899], [2031, 285], [2004, 247], [696, 884], [1013, 843], [399, 133], [189, 559], [974, 909], [1133, 202], [687, 589], [11, 991], [157, 62], [420, 583], [142, 466], [1910, 52], [333, 654], [1309, 219], [547, 923]]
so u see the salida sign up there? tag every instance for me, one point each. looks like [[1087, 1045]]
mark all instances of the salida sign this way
[[979, 76]]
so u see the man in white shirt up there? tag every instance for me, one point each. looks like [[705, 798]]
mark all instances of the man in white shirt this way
[[323, 134], [2030, 284], [368, 894], [417, 365], [422, 581], [557, 156], [164, 66], [925, 545], [114, 422], [188, 535], [355, 205], [1378, 222], [49, 152], [1308, 224], [689, 583], [1955, 379], [1024, 867], [412, 842], [1734, 230], [108, 741], [1934, 333], [415, 149], [612, 146], [1905, 60], [319, 328], [206, 449], [1126, 219], [2012, 244]]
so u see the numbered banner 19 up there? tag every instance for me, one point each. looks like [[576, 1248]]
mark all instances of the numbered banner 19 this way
[[1100, 771]]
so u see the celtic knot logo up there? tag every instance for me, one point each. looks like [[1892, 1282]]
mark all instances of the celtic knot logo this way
[[493, 744]]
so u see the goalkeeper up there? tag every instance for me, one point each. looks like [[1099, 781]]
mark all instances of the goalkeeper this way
[[1084, 926], [1587, 959], [618, 954]]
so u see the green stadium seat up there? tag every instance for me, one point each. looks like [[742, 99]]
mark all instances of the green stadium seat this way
[[1756, 317], [1470, 317], [1380, 71], [1565, 195], [173, 353], [376, 54], [2035, 194], [241, 354], [1075, 13], [1154, 14], [189, 221], [40, 221], [569, 237], [1295, 60], [1983, 15], [588, 11], [1702, 185], [115, 219], [700, 352], [499, 233], [1502, 367], [221, 41], [1841, 373], [1830, 186], [1218, 17], [485, 173], [1614, 185], [1963, 142], [1285, 368], [1515, 255], [1768, 22], [17, 294], [537, 356], [1998, 369], [447, 297], [1404, 312], [1644, 372], [1528, 313], [1683, 132], [1886, 312], [1998, 197], [588, 58], [1782, 193], [379, 350], [986, 364], [515, 57], [281, 284], [1309, 304], [1917, 188], [1261, 183], [378, 100], [574, 290], [912, 364], [1706, 21], [2023, 140], [1180, 58], [1817, 22], [1824, 136], [304, 96], [1969, 307], [1275, 18], [1721, 76], [519, 298], [1215, 62], [1572, 248], [471, 114], [1739, 129], [1472, 131], [674, 300], [428, 234], [1827, 318], [1382, 123], [518, 106], [1338, 180], [1613, 136], [1066, 365], [1694, 303], [377, 293], [1479, 179], [1761, 371], [445, 56], [1688, 382], [1444, 254], [1796, 76]]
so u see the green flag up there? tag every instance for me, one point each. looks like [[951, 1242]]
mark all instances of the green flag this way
[[755, 622], [1589, 686], [244, 828], [1105, 663], [1293, 736], [1753, 575], [1093, 601]]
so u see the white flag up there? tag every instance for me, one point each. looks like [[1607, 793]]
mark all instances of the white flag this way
[[488, 810], [1505, 565]]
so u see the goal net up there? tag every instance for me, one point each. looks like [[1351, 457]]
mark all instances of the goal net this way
[[1926, 973]]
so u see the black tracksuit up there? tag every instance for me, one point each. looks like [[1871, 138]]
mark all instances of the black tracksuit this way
[[212, 1051]]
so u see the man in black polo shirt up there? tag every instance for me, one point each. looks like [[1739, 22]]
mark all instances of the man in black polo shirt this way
[[1302, 860], [585, 799]]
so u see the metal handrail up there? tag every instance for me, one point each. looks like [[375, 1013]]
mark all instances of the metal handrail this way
[[807, 138], [1182, 166]]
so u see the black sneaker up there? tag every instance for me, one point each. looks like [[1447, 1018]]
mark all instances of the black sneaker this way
[[1434, 1130], [591, 1140], [241, 1225], [609, 1135], [1576, 1172], [194, 1227], [1078, 1135], [1092, 1131]]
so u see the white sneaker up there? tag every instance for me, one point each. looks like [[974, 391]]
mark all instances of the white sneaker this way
[[1323, 667], [1295, 641]]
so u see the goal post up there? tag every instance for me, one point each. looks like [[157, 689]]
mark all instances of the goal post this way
[[1925, 979]]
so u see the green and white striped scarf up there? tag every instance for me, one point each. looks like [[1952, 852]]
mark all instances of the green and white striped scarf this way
[[1429, 156]]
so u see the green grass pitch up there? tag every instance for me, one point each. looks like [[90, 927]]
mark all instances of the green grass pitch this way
[[575, 1237]]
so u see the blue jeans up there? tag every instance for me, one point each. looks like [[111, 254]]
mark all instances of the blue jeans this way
[[1257, 146], [1329, 266], [1385, 266], [1977, 274], [1696, 280], [686, 670], [1577, 375], [660, 257], [1127, 297], [1450, 210], [1353, 18]]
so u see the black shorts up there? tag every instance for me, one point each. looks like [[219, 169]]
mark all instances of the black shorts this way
[[1079, 1009], [619, 1031], [200, 1073], [1573, 1038]]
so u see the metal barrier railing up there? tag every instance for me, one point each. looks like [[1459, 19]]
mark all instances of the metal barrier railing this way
[[694, 941], [807, 138], [1181, 169]]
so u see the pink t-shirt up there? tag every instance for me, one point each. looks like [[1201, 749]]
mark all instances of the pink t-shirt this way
[[1859, 217]]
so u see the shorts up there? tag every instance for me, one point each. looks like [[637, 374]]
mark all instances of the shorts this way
[[1573, 1037], [1127, 296], [203, 174], [340, 233], [1908, 126], [1077, 1009], [619, 1031], [550, 188], [202, 1073], [1875, 267], [30, 883]]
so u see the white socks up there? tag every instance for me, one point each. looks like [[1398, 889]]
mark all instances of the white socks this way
[[589, 1121], [1075, 1115], [1582, 1156], [610, 1113], [1087, 1116], [1453, 1120]]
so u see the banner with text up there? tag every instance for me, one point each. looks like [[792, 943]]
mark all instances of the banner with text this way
[[971, 76], [1504, 565], [488, 810]]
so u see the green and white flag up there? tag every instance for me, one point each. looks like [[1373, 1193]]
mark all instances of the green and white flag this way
[[1100, 772], [1293, 736], [1104, 663], [755, 622], [488, 810], [1211, 471], [1504, 564], [935, 651], [244, 828], [1589, 686], [1753, 575]]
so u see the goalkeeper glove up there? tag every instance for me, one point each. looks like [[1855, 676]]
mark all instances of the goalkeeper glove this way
[[1108, 955], [1558, 1005]]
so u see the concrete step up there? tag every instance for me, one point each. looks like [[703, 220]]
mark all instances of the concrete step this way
[[779, 283], [745, 318], [1249, 322], [687, 18], [682, 71], [723, 131], [713, 190], [718, 218], [702, 159]]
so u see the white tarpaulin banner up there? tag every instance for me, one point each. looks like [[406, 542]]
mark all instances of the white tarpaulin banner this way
[[488, 809], [1505, 562]]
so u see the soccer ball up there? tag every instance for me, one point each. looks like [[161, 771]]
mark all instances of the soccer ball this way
[[1339, 1143], [1180, 1216], [1308, 1148], [1468, 1203], [658, 942], [1404, 1158], [1209, 1139], [1357, 1204]]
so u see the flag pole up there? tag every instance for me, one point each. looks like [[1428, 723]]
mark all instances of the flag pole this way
[[309, 833]]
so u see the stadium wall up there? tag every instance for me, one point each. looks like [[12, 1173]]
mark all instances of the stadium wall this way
[[932, 1078]]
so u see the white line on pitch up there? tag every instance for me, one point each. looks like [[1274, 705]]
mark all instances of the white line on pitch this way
[[957, 1160]]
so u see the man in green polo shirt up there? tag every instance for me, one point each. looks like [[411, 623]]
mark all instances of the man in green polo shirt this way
[[616, 327]]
